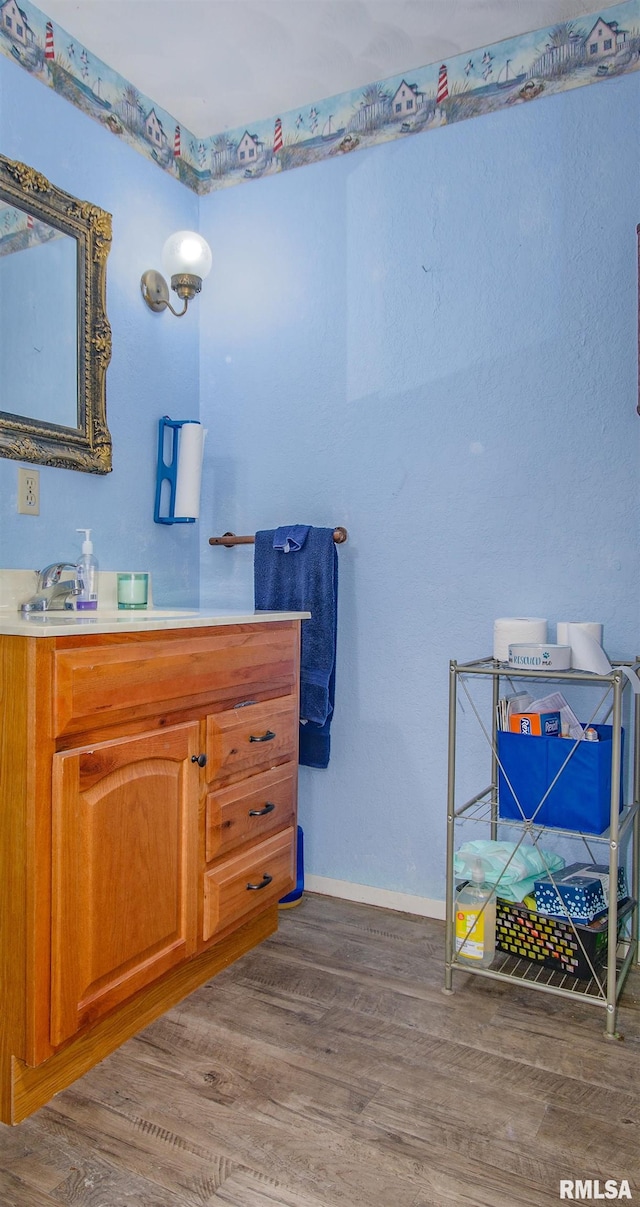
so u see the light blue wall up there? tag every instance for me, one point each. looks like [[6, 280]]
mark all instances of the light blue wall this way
[[154, 368], [434, 343]]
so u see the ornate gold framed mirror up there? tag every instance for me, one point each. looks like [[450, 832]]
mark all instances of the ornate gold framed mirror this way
[[55, 338]]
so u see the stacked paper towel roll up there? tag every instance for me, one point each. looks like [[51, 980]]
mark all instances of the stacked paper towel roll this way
[[189, 474], [591, 627], [511, 630], [585, 639]]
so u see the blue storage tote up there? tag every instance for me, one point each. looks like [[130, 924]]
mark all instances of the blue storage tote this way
[[581, 798], [295, 895]]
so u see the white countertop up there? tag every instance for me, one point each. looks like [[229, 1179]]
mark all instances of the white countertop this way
[[18, 585], [108, 620]]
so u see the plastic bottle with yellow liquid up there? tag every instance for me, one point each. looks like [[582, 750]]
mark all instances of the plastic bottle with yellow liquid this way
[[476, 919]]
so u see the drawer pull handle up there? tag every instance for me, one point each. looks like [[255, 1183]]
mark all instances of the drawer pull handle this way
[[266, 879], [269, 807], [265, 737], [200, 759], [244, 704]]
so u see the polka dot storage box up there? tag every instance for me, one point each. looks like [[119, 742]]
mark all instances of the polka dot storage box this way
[[580, 891]]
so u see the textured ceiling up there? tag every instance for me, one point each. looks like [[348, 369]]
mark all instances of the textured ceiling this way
[[218, 64]]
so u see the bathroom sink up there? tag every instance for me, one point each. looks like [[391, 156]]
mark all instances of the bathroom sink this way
[[124, 615], [138, 613], [50, 617]]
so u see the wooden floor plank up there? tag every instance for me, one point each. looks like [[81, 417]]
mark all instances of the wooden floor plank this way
[[327, 1069], [507, 1119], [246, 1188], [16, 1193], [267, 1137], [385, 1047], [524, 1025], [139, 1147], [612, 1146]]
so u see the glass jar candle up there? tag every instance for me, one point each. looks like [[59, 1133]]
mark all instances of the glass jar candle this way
[[133, 590]]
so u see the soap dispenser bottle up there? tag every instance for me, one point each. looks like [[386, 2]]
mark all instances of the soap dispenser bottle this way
[[87, 568], [476, 919]]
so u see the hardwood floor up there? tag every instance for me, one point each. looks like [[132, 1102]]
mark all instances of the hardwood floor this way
[[327, 1069]]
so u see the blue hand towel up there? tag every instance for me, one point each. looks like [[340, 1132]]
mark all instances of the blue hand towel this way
[[306, 581], [291, 539]]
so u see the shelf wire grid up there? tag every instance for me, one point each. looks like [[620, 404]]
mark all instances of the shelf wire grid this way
[[538, 976]]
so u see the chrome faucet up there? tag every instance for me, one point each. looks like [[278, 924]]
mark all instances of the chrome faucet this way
[[53, 593]]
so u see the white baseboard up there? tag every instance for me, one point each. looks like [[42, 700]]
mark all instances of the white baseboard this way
[[406, 903]]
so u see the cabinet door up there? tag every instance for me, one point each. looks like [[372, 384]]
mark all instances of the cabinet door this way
[[124, 880]]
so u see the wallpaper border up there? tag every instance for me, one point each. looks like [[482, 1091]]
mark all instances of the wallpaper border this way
[[587, 50]]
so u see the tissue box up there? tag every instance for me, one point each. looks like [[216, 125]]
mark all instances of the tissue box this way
[[546, 724], [581, 892], [525, 934], [581, 796]]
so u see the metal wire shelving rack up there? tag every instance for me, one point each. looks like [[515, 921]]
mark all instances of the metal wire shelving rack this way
[[604, 986]]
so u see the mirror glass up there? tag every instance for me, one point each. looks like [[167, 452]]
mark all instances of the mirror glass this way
[[38, 337], [55, 339]]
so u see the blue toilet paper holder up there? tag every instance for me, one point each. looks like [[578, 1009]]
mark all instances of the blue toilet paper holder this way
[[168, 432]]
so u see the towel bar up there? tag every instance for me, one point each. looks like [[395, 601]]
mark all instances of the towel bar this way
[[229, 539]]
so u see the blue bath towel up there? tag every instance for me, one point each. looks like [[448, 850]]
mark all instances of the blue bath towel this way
[[306, 580], [291, 538]]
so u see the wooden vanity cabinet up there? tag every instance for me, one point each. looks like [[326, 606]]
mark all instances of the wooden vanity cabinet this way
[[147, 831]]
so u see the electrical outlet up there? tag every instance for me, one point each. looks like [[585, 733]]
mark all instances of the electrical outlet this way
[[28, 492]]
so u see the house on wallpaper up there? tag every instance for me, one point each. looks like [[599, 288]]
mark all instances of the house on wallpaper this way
[[604, 40], [155, 132], [407, 99], [249, 148], [14, 23], [162, 150]]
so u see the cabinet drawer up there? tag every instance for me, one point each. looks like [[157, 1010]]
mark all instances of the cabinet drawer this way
[[145, 674], [241, 884], [252, 737], [250, 810]]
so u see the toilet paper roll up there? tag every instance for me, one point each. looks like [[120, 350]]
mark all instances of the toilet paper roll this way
[[189, 473], [512, 630]]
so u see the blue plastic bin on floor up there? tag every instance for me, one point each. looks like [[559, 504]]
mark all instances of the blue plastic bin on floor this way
[[295, 895]]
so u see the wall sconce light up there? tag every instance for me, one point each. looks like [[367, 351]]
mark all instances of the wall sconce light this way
[[186, 259]]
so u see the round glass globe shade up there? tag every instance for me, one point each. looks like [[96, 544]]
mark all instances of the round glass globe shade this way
[[186, 251]]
